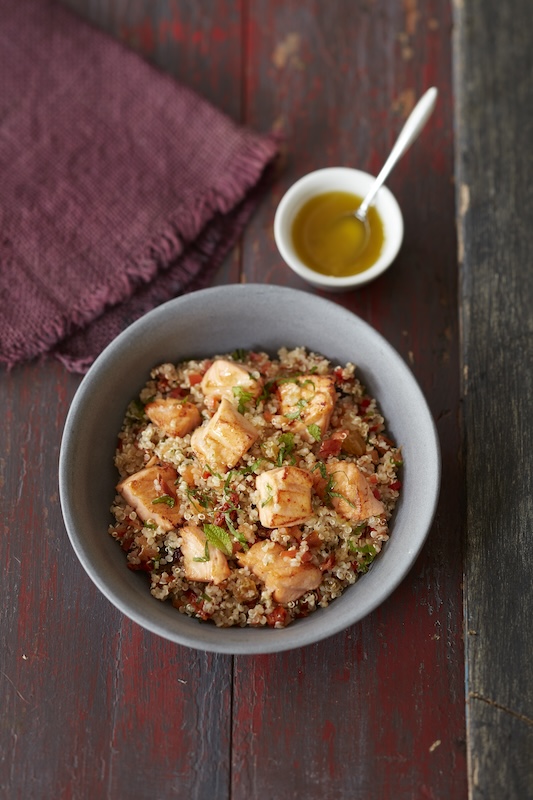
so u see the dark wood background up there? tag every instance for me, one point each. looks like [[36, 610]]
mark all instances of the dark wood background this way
[[95, 707], [493, 75]]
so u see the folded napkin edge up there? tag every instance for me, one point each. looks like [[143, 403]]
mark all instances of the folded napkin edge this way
[[182, 228], [256, 153]]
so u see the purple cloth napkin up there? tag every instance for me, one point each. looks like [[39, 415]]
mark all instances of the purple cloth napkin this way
[[119, 188]]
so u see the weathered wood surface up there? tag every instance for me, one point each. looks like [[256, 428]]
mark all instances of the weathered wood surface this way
[[94, 706], [494, 67]]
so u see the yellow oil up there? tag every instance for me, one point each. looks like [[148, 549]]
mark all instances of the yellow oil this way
[[330, 242]]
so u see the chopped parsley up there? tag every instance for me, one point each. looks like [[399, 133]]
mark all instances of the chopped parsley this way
[[237, 534], [315, 432], [286, 441], [251, 467], [269, 497], [198, 498], [213, 473], [290, 379], [342, 497], [300, 405], [359, 529], [206, 556], [136, 410], [266, 390], [239, 354], [166, 499], [243, 397], [366, 554], [363, 549], [329, 493], [321, 467], [229, 476]]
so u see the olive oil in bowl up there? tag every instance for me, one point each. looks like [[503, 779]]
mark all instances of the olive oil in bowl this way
[[329, 241]]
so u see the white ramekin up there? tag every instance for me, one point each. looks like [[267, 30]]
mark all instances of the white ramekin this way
[[341, 179]]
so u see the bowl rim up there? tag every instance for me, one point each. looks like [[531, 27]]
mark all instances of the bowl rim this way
[[210, 638], [393, 218]]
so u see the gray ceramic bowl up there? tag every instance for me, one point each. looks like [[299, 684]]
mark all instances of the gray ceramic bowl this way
[[220, 320]]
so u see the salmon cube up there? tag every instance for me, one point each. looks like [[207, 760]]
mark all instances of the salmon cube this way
[[233, 381], [151, 493], [308, 400], [195, 546], [284, 496], [224, 440], [351, 494], [271, 563], [175, 417]]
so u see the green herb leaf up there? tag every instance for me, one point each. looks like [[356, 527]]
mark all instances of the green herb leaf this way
[[329, 493], [251, 467], [269, 496], [321, 467], [136, 410], [218, 537], [300, 405], [227, 482], [238, 535], [243, 397], [286, 441], [239, 354], [363, 549], [294, 415], [213, 473], [315, 432], [265, 394], [342, 497], [290, 379], [206, 556], [150, 525], [198, 498], [166, 499]]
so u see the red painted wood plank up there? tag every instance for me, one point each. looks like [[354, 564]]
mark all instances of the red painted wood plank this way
[[94, 706], [377, 711]]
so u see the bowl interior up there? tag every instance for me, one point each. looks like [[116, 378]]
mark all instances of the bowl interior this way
[[215, 321], [345, 180]]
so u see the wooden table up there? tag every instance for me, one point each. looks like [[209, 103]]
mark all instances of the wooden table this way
[[95, 707]]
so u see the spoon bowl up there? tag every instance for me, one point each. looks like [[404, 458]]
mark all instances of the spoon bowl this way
[[364, 230]]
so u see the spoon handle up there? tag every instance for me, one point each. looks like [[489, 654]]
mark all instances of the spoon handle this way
[[413, 125]]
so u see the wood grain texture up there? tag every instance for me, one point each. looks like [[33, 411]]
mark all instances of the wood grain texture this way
[[93, 706], [495, 198], [378, 711], [199, 44], [96, 707]]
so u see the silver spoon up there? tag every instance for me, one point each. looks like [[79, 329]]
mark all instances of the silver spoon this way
[[413, 125]]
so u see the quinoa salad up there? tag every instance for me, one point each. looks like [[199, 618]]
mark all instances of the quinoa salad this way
[[253, 490]]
